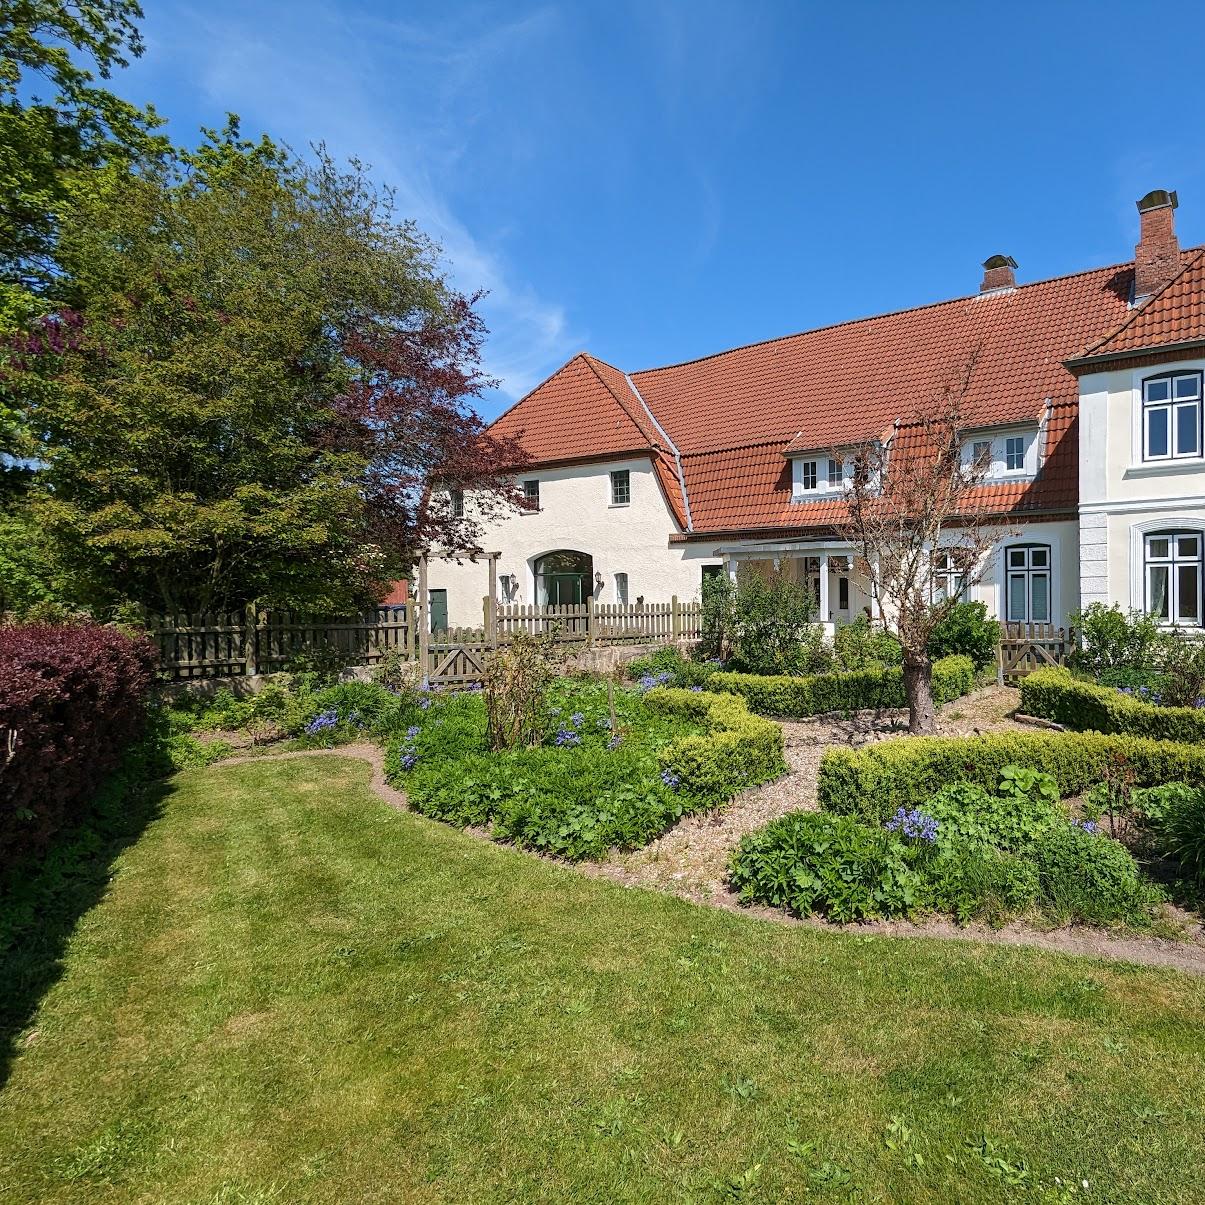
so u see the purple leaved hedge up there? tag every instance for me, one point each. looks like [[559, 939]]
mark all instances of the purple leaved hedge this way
[[72, 698]]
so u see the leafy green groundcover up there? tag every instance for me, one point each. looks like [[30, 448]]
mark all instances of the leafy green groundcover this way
[[593, 783], [966, 851], [288, 992], [1053, 694]]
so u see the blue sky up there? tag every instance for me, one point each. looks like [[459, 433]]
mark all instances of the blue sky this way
[[654, 181]]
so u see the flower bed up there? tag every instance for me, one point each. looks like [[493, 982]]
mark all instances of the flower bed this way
[[814, 694], [966, 851], [1053, 694], [876, 781], [593, 782]]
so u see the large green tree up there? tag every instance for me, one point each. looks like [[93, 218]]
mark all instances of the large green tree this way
[[262, 376]]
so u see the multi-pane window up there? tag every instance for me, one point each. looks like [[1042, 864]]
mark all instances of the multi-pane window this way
[[621, 587], [1171, 416], [981, 454], [621, 487], [1173, 576], [1027, 583], [834, 472], [1014, 453], [808, 475], [457, 498], [531, 493], [949, 581]]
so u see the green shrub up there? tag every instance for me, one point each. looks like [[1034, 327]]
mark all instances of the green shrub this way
[[683, 671], [859, 645], [812, 862], [1152, 805], [1184, 672], [1113, 639], [737, 751], [875, 781], [1084, 877], [795, 697], [968, 632], [1053, 694], [1180, 831]]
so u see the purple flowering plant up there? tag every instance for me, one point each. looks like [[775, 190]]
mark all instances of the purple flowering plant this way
[[913, 823]]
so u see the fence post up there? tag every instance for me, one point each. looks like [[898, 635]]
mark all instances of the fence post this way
[[589, 621], [420, 618], [675, 622], [491, 607], [249, 666]]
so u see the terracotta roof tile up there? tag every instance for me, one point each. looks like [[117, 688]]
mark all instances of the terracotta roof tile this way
[[734, 414], [1176, 314], [574, 415]]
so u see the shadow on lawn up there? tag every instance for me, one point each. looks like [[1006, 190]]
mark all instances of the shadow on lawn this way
[[42, 900]]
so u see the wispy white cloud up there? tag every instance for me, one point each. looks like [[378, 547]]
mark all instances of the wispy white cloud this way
[[410, 99]]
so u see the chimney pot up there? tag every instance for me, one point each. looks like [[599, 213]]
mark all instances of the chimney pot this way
[[999, 272], [1157, 256]]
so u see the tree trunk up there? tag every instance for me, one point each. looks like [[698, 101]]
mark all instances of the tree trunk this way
[[918, 690]]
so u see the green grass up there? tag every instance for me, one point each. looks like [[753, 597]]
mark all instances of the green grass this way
[[290, 992]]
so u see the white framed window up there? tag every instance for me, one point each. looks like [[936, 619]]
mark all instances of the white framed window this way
[[1172, 577], [531, 493], [456, 498], [1171, 416], [1027, 583], [808, 477], [1014, 454], [621, 587], [981, 454], [621, 487], [948, 581], [998, 457]]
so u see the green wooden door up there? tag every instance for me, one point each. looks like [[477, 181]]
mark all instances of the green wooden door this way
[[439, 610]]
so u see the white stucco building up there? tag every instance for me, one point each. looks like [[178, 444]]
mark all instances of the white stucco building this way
[[1084, 394]]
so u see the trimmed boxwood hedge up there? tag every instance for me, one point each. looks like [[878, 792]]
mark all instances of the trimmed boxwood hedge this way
[[737, 751], [874, 782], [814, 694], [1053, 694]]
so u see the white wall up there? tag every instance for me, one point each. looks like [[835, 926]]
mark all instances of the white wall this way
[[1122, 498], [1063, 538], [576, 513]]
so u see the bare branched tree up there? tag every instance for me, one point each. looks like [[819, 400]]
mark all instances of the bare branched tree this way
[[916, 506]]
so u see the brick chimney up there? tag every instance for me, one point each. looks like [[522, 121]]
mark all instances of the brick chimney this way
[[1157, 256], [999, 272]]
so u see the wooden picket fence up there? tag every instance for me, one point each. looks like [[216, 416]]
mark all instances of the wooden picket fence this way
[[1025, 647], [244, 643]]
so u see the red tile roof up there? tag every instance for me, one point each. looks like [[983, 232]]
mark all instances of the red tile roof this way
[[576, 415], [1176, 314], [733, 415]]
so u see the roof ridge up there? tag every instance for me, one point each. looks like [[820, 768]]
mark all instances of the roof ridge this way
[[1140, 310], [593, 361], [911, 309]]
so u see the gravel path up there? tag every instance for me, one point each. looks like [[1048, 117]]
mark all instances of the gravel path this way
[[691, 859]]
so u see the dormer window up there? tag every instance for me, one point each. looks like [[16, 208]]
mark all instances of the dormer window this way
[[1000, 457], [1171, 416], [815, 478]]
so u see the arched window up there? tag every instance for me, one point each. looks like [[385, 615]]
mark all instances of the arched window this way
[[1027, 583], [1172, 576], [564, 578]]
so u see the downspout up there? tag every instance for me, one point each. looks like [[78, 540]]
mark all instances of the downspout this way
[[690, 526]]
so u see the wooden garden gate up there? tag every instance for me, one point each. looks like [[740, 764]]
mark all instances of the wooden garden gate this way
[[1025, 647]]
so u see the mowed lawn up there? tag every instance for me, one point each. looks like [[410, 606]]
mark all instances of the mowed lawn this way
[[291, 992]]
